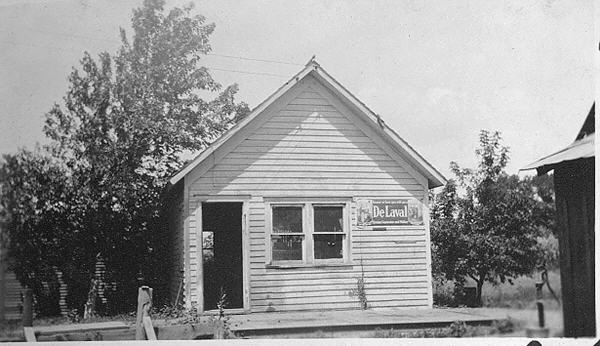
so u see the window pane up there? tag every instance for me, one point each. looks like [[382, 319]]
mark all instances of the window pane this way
[[287, 219], [328, 246], [208, 252], [286, 247], [329, 219], [208, 240]]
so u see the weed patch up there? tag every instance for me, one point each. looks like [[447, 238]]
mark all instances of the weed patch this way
[[458, 329]]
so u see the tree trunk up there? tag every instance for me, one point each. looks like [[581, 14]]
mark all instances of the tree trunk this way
[[479, 289]]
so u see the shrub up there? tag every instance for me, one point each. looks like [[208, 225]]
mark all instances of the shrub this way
[[458, 329], [504, 326]]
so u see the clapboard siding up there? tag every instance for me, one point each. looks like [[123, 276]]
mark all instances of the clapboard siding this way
[[308, 289], [12, 295], [12, 290], [255, 143], [345, 304], [309, 147]]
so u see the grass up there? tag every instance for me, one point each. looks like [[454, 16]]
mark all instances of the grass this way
[[518, 299], [160, 316], [520, 295]]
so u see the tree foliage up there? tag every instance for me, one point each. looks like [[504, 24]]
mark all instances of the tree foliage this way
[[36, 220], [96, 192], [486, 224]]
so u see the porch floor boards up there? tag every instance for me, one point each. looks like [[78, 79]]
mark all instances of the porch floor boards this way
[[274, 322]]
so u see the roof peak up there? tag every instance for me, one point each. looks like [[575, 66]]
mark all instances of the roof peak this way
[[313, 61], [312, 68]]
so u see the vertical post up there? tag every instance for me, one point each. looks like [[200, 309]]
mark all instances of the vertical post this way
[[199, 259], [245, 256], [538, 290], [27, 307], [143, 310], [540, 330], [540, 305]]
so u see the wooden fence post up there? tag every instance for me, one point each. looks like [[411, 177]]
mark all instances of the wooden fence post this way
[[143, 326], [540, 330]]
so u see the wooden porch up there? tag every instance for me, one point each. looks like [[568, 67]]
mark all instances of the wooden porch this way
[[355, 323]]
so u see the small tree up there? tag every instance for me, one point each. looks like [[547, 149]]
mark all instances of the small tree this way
[[489, 231]]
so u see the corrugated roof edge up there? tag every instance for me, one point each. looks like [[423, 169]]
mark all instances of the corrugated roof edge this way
[[548, 162], [544, 167]]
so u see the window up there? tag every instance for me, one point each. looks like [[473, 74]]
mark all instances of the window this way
[[308, 233], [287, 236], [328, 235]]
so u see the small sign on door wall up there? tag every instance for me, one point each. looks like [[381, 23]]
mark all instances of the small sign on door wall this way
[[389, 212]]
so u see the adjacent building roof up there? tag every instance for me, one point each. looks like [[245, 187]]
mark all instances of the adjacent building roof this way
[[312, 68], [581, 148]]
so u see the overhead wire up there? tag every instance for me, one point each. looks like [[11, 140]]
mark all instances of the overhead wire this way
[[208, 67], [248, 72], [254, 59], [272, 61]]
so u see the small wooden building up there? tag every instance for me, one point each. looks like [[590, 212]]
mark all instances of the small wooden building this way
[[574, 185], [298, 202], [10, 291]]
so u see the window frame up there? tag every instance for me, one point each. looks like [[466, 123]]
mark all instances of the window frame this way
[[308, 232], [344, 233], [271, 233]]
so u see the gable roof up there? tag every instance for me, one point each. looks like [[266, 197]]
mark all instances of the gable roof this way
[[434, 178], [583, 147]]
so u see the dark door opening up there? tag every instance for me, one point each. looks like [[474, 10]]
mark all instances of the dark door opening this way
[[222, 254]]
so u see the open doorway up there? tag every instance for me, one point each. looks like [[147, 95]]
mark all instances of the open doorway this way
[[222, 254]]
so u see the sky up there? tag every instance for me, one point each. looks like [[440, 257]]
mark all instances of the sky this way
[[436, 71]]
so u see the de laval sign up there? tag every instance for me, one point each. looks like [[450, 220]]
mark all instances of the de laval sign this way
[[389, 212]]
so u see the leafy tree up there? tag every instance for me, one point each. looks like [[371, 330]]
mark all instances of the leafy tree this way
[[127, 119], [544, 213], [489, 231], [543, 189]]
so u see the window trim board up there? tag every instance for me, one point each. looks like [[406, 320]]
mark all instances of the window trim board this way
[[308, 233]]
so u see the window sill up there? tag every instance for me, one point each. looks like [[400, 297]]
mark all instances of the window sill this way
[[308, 265]]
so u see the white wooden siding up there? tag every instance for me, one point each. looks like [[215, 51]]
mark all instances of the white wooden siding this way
[[312, 148]]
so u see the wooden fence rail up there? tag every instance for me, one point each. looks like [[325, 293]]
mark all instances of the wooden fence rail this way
[[143, 329]]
